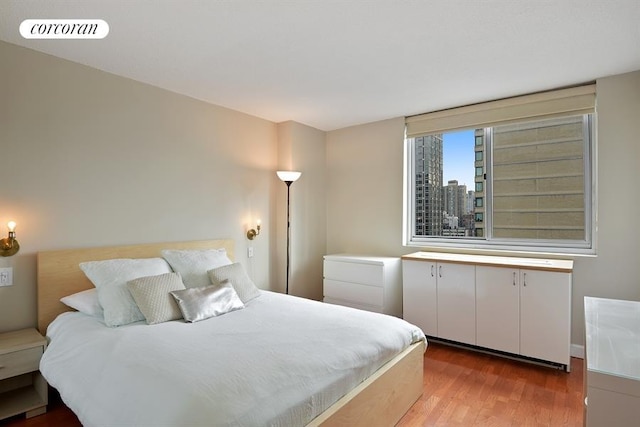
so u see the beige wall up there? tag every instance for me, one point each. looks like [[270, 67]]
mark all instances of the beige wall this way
[[615, 273], [92, 159], [364, 189], [364, 195], [302, 148]]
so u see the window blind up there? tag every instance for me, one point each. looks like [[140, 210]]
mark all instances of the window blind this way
[[571, 101]]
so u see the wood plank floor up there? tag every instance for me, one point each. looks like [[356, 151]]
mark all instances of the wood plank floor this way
[[461, 388], [467, 388]]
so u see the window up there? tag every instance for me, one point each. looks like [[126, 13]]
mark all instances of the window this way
[[531, 175]]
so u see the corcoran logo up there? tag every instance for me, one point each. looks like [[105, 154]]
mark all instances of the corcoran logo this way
[[64, 29]]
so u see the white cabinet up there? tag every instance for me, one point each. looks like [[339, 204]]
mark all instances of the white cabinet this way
[[419, 296], [498, 308], [525, 312], [545, 315], [520, 306], [439, 297], [456, 302], [370, 283], [612, 362]]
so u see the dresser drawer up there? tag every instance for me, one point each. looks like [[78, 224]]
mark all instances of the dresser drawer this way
[[351, 304], [19, 362], [354, 292], [371, 274]]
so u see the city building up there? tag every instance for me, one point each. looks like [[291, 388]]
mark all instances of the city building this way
[[428, 176]]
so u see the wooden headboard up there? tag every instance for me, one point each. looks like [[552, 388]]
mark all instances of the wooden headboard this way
[[59, 273]]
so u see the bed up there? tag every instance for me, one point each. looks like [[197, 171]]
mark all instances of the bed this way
[[114, 376]]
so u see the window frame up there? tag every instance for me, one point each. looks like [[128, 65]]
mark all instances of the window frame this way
[[488, 241]]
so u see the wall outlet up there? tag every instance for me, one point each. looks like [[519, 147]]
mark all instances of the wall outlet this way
[[6, 276]]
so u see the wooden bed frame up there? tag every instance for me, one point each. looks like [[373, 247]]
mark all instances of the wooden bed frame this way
[[382, 399]]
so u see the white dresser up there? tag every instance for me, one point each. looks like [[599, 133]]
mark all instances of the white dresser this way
[[612, 364], [370, 283]]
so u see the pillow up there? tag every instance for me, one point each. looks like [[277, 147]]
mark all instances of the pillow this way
[[152, 296], [207, 301], [194, 264], [85, 302], [110, 277], [235, 274]]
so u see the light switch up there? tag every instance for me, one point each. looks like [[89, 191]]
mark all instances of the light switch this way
[[6, 276]]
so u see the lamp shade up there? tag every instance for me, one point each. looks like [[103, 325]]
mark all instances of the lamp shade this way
[[288, 176]]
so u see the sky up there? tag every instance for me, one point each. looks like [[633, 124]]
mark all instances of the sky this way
[[458, 157]]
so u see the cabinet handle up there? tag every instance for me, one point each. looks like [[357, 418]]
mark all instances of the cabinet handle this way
[[514, 278], [524, 279], [440, 270], [431, 270]]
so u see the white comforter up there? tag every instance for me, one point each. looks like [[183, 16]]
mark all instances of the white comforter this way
[[281, 361]]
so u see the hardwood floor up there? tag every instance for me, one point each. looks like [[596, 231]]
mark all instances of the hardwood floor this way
[[461, 388], [467, 388], [57, 415]]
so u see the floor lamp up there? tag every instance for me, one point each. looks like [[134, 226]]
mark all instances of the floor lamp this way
[[288, 177]]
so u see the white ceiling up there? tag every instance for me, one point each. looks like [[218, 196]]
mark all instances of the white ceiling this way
[[331, 64]]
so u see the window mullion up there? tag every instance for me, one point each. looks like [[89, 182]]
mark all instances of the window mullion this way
[[488, 183]]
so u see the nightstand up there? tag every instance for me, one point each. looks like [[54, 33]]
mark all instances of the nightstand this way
[[22, 388]]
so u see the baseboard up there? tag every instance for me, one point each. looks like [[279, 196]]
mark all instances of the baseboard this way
[[577, 351], [499, 353]]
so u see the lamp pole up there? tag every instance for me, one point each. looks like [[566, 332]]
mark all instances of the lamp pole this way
[[288, 235], [288, 177]]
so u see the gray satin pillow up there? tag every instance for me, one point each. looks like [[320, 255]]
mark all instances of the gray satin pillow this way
[[208, 301]]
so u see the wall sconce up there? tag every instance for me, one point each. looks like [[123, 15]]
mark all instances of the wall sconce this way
[[9, 245], [253, 233]]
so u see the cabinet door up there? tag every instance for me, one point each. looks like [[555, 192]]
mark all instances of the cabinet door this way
[[545, 315], [456, 302], [419, 303], [498, 308]]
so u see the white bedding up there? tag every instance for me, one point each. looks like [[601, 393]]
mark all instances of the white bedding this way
[[280, 361]]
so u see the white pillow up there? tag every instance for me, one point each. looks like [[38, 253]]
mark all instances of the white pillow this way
[[241, 281], [85, 302], [207, 301], [110, 277], [151, 294], [194, 264]]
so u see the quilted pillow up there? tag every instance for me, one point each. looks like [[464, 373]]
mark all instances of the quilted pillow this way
[[194, 264], [235, 274], [152, 295], [110, 277]]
